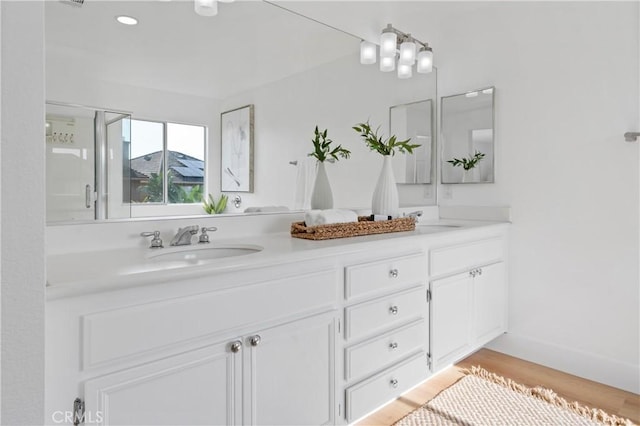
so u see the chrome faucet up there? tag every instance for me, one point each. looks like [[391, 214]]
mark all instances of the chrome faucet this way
[[183, 236], [415, 214]]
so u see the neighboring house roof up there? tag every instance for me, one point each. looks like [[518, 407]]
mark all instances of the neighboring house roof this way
[[184, 168]]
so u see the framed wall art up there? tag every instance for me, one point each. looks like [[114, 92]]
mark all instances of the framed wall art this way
[[236, 159]]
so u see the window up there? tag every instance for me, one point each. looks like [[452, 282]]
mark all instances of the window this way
[[171, 150]]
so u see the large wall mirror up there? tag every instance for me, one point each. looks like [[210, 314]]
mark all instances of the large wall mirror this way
[[177, 70], [467, 137]]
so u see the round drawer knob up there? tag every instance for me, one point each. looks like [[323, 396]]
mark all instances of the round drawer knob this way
[[255, 340], [393, 273], [393, 345], [394, 383], [393, 310], [236, 346]]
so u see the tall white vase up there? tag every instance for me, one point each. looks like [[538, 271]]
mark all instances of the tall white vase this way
[[385, 197], [321, 196], [469, 176]]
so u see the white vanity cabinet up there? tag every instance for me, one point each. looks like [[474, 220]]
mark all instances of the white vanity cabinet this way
[[253, 353], [281, 375], [315, 338], [468, 298], [386, 332], [290, 373], [199, 387]]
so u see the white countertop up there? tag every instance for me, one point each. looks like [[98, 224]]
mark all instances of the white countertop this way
[[94, 271]]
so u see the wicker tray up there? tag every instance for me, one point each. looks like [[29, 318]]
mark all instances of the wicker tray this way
[[364, 226]]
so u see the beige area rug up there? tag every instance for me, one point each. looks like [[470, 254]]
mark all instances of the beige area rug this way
[[482, 398]]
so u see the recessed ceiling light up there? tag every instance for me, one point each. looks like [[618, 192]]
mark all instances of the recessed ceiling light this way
[[127, 20]]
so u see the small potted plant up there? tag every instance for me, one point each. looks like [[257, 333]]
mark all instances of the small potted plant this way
[[467, 164], [321, 196], [385, 199], [213, 207]]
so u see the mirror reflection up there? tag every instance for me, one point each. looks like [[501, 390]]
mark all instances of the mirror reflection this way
[[178, 69], [81, 145], [413, 121], [467, 137]]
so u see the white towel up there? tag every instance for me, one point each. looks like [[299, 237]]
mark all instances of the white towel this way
[[327, 217], [304, 183]]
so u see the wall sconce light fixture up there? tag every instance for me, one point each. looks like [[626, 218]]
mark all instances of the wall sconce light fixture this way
[[400, 47]]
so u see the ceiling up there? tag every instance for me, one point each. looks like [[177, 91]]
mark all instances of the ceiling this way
[[248, 44]]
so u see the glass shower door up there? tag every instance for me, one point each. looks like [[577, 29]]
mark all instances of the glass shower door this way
[[87, 164], [70, 163], [116, 167]]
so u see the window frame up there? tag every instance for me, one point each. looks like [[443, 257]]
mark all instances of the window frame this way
[[165, 164]]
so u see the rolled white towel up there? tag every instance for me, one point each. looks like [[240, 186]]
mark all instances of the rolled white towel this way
[[327, 217]]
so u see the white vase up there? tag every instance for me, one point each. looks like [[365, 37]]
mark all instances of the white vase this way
[[469, 176], [385, 197], [321, 196]]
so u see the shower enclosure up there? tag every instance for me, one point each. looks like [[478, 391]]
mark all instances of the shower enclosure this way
[[88, 173]]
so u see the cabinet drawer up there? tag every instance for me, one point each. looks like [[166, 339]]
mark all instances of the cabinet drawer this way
[[386, 312], [121, 333], [457, 258], [378, 352], [386, 274], [391, 383]]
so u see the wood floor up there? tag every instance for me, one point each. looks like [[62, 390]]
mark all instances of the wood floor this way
[[572, 388]]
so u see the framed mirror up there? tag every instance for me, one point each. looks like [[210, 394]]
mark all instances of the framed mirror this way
[[467, 137], [413, 121]]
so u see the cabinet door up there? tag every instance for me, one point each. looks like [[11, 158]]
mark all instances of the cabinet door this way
[[451, 314], [196, 388], [292, 373], [489, 300]]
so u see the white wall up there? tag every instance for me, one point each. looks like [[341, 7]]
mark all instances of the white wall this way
[[566, 77], [335, 96], [22, 278]]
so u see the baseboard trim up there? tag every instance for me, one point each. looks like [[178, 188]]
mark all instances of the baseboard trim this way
[[583, 364]]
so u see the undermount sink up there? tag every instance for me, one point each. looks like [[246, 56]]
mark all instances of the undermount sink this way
[[197, 254]]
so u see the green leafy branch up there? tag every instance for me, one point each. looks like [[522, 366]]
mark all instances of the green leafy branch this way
[[213, 207], [322, 147], [384, 147], [467, 163]]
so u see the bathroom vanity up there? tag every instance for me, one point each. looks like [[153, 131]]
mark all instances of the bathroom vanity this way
[[300, 332]]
